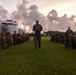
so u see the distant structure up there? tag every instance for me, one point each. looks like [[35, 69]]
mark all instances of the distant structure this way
[[21, 31], [8, 26]]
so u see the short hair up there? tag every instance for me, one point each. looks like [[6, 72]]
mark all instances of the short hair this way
[[68, 27], [37, 21]]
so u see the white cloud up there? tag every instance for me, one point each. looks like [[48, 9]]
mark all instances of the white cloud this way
[[3, 13], [62, 8], [53, 21]]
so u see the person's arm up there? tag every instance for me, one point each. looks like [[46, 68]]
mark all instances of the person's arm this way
[[34, 28], [72, 32], [41, 28]]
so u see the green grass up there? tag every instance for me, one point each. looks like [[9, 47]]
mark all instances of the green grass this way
[[50, 59]]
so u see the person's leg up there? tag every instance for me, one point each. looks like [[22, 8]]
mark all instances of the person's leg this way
[[35, 42], [39, 41]]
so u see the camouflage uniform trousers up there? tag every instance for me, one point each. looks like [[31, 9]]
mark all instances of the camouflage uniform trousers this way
[[37, 40]]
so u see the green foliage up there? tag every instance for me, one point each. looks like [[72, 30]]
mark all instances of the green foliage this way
[[50, 59]]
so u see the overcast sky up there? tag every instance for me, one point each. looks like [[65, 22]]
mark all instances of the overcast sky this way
[[62, 6], [52, 14]]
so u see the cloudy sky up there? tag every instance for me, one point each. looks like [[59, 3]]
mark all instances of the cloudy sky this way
[[54, 15], [62, 6]]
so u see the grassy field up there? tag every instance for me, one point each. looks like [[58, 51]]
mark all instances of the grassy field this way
[[50, 59]]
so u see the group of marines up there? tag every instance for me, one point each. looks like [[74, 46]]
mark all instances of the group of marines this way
[[68, 38], [7, 39]]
